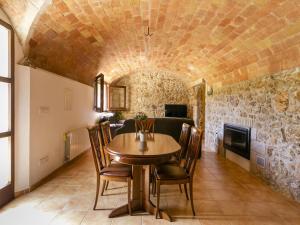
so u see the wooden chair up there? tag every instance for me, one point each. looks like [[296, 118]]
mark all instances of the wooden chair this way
[[106, 134], [145, 125], [174, 174], [183, 142], [112, 172], [106, 137]]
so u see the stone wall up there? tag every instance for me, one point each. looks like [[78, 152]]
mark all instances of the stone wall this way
[[148, 91], [271, 107]]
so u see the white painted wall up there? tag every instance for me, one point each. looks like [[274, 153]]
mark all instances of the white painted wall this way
[[51, 119], [22, 127]]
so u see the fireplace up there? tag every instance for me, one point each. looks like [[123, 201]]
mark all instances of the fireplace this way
[[237, 139]]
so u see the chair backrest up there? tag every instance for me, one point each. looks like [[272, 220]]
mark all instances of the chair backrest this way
[[193, 150], [145, 125], [184, 140], [97, 147], [106, 134]]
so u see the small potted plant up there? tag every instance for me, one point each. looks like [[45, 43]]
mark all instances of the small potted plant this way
[[139, 125], [119, 116], [140, 116]]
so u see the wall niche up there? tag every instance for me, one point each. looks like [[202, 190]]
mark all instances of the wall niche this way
[[148, 91]]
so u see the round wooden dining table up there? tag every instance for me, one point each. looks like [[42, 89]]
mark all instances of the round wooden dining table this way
[[128, 149]]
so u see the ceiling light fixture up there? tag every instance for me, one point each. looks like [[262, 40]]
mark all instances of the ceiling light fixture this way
[[148, 34]]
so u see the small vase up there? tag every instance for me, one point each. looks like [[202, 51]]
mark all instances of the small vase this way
[[142, 146], [142, 136]]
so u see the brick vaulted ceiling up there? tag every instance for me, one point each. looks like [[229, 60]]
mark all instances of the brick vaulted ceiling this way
[[222, 41]]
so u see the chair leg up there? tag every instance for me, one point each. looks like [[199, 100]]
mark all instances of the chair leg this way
[[186, 193], [151, 178], [97, 191], [180, 188], [129, 196], [153, 187], [157, 198], [106, 187], [191, 196], [103, 187]]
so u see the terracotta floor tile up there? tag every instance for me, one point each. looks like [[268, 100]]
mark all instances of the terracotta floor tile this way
[[150, 220], [224, 194], [215, 221], [125, 220], [98, 217], [53, 204], [26, 215], [68, 218], [207, 207], [233, 208], [285, 210], [202, 194], [229, 194], [184, 221], [292, 221], [241, 220], [273, 220]]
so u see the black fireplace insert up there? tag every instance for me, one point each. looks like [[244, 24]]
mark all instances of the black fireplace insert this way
[[237, 139]]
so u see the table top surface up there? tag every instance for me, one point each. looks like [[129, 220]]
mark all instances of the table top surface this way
[[130, 146]]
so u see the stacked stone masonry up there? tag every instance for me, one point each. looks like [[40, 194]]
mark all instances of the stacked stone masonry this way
[[197, 104], [149, 91], [271, 107]]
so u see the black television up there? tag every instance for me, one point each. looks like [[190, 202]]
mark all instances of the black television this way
[[175, 110]]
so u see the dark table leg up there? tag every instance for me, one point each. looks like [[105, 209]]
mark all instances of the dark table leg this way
[[140, 195]]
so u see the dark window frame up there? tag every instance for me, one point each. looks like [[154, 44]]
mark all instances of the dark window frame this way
[[99, 80], [7, 193], [110, 99]]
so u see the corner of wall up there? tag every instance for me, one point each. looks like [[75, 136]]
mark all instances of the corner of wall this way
[[22, 127]]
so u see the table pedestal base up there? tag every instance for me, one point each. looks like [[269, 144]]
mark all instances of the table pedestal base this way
[[140, 199]]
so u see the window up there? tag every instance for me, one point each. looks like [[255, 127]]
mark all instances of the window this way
[[5, 52], [6, 112], [105, 97], [101, 94]]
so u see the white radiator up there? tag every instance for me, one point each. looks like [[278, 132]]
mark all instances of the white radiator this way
[[76, 142]]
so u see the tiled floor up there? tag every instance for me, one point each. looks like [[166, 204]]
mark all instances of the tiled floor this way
[[224, 194]]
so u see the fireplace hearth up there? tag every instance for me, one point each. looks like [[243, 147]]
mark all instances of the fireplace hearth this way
[[237, 139]]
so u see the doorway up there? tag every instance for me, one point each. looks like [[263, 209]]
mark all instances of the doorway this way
[[6, 113]]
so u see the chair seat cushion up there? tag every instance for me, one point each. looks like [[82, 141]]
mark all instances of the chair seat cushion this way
[[170, 172], [118, 164], [116, 170]]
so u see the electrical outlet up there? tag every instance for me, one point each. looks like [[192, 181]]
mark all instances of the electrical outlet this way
[[260, 161], [44, 110], [44, 160]]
